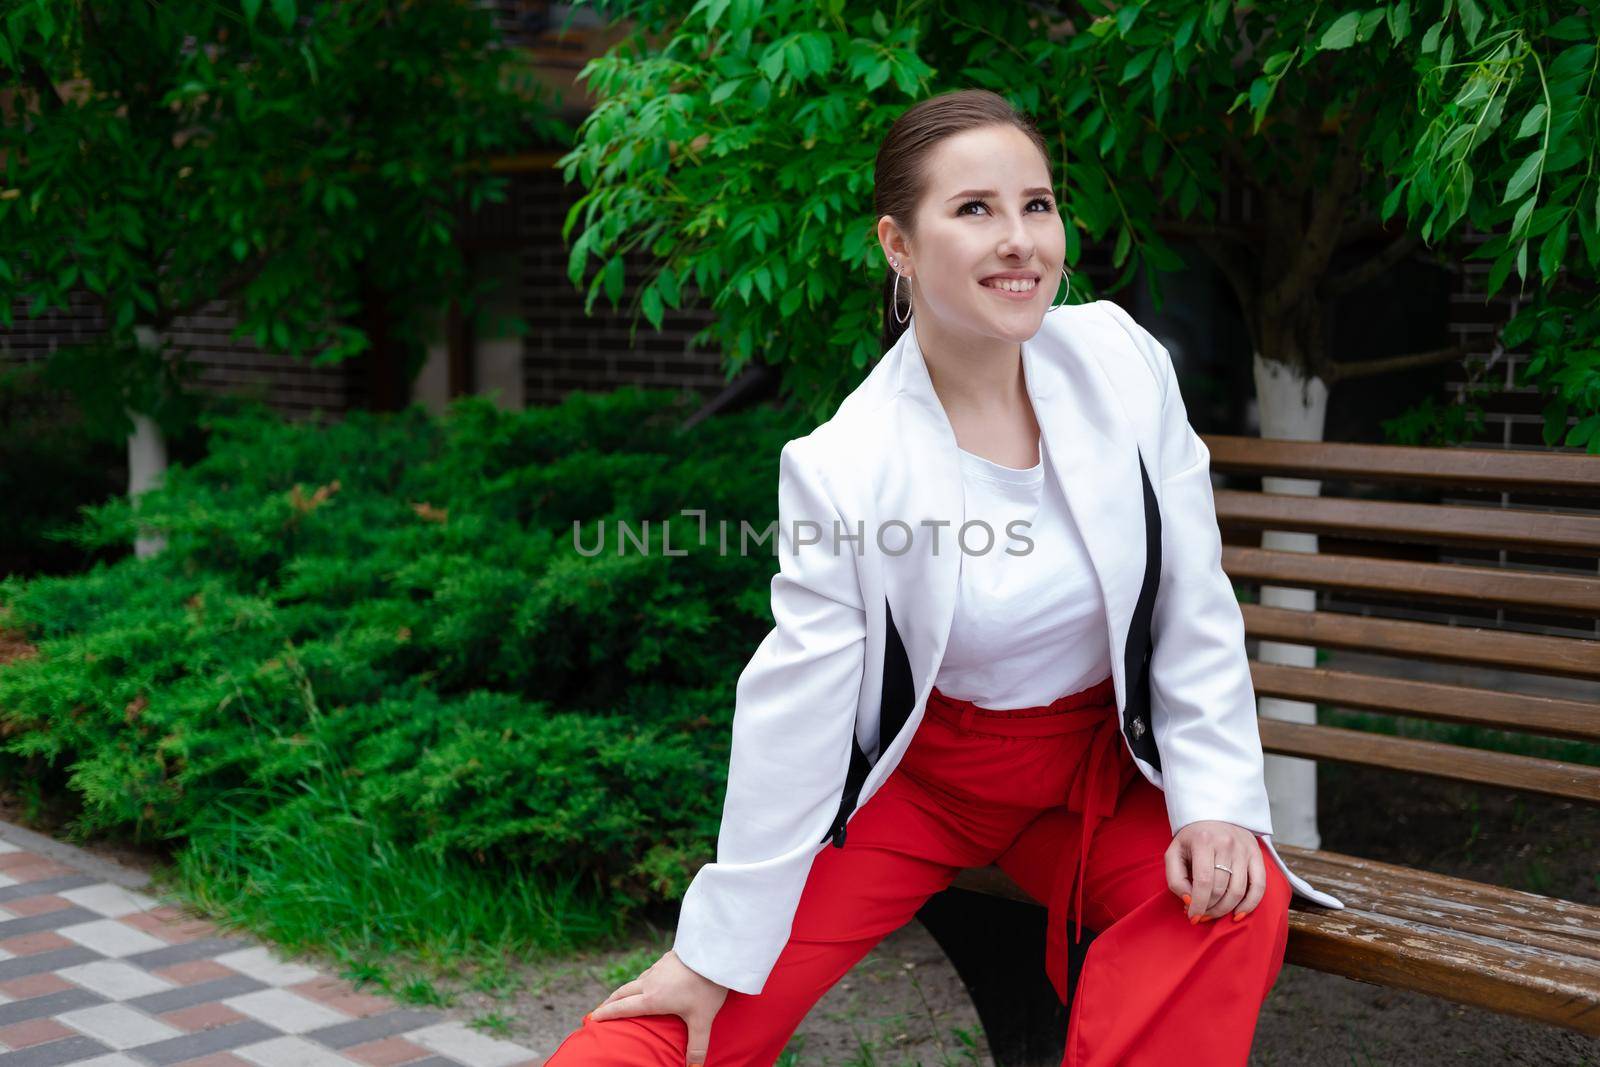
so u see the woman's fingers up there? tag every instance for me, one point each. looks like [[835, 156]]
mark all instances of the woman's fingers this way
[[1237, 880], [1258, 885], [1203, 876], [1177, 872], [615, 1007]]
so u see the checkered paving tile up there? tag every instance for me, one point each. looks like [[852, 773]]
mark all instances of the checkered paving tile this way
[[94, 974]]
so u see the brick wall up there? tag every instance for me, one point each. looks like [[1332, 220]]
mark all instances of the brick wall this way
[[565, 349]]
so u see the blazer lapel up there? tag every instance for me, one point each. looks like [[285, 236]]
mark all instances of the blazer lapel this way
[[923, 482], [1095, 455]]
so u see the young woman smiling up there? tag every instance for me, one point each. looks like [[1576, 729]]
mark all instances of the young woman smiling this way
[[1079, 711]]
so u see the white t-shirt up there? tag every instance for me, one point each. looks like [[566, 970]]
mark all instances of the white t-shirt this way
[[1030, 623]]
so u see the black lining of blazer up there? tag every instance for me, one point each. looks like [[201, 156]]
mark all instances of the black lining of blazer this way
[[898, 695], [1137, 651]]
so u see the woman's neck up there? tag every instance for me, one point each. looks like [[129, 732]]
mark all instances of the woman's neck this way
[[983, 389]]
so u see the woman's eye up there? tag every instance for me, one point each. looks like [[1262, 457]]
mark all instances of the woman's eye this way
[[1048, 205]]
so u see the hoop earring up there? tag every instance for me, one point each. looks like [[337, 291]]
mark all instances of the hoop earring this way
[[1068, 277], [894, 298]]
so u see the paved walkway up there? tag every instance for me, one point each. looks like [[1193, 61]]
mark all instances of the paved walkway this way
[[95, 973]]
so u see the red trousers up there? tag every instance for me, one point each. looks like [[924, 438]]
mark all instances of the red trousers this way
[[1050, 795]]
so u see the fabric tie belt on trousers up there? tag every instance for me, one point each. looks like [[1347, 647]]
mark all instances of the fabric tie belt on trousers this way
[[1094, 786]]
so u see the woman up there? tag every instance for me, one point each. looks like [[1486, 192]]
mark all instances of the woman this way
[[1003, 635]]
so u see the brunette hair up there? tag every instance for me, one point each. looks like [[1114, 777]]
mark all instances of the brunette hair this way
[[899, 176]]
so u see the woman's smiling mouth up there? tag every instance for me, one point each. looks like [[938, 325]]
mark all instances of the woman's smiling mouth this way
[[1010, 287]]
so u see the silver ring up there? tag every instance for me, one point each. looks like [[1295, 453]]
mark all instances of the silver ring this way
[[1220, 867]]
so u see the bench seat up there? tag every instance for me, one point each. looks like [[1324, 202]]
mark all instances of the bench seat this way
[[1508, 951], [1503, 949]]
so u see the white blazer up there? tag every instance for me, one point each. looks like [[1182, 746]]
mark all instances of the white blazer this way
[[832, 696]]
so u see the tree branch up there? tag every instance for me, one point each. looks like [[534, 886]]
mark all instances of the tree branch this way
[[1375, 267], [1327, 215], [1346, 370]]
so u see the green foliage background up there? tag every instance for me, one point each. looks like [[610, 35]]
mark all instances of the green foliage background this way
[[381, 633], [735, 140]]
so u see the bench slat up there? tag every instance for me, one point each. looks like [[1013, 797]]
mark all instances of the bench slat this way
[[1481, 585], [1568, 656], [1532, 471], [1572, 781], [1496, 948], [1390, 520], [1442, 702]]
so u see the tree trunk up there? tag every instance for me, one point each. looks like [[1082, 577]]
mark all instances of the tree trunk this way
[[147, 458], [1293, 408]]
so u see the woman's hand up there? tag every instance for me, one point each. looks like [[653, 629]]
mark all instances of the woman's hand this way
[[669, 987], [1206, 891]]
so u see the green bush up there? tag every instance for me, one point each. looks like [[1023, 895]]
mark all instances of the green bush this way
[[379, 633]]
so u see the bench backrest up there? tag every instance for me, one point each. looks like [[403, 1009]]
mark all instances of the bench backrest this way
[[1475, 558]]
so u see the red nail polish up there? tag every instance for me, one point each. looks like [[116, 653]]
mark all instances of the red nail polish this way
[[1193, 919], [1237, 916], [1186, 898], [585, 1021], [1206, 918]]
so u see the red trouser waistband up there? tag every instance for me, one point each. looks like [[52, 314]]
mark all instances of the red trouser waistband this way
[[1102, 774]]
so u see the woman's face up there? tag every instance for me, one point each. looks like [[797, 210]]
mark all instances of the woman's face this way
[[988, 210]]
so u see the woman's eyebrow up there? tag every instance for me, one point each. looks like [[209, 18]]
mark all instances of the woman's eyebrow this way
[[1037, 190]]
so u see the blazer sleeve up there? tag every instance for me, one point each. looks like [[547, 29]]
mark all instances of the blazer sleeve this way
[[794, 717], [1204, 702]]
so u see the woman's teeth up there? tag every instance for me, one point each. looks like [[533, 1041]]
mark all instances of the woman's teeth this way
[[1013, 285]]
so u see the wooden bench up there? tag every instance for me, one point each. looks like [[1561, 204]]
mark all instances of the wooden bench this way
[[1482, 558]]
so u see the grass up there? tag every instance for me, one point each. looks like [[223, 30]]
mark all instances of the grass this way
[[418, 927]]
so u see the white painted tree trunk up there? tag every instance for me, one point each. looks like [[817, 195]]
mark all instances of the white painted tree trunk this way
[[1295, 409], [147, 458]]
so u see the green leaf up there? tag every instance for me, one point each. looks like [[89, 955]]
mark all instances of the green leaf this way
[[1342, 33], [1400, 20], [794, 57], [1554, 249], [1430, 40], [1571, 28], [1135, 66], [1532, 122], [1523, 211], [284, 9], [1524, 178], [1476, 89], [650, 302], [1471, 19], [251, 9], [1584, 432], [1185, 31], [1163, 71], [667, 282], [613, 278]]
